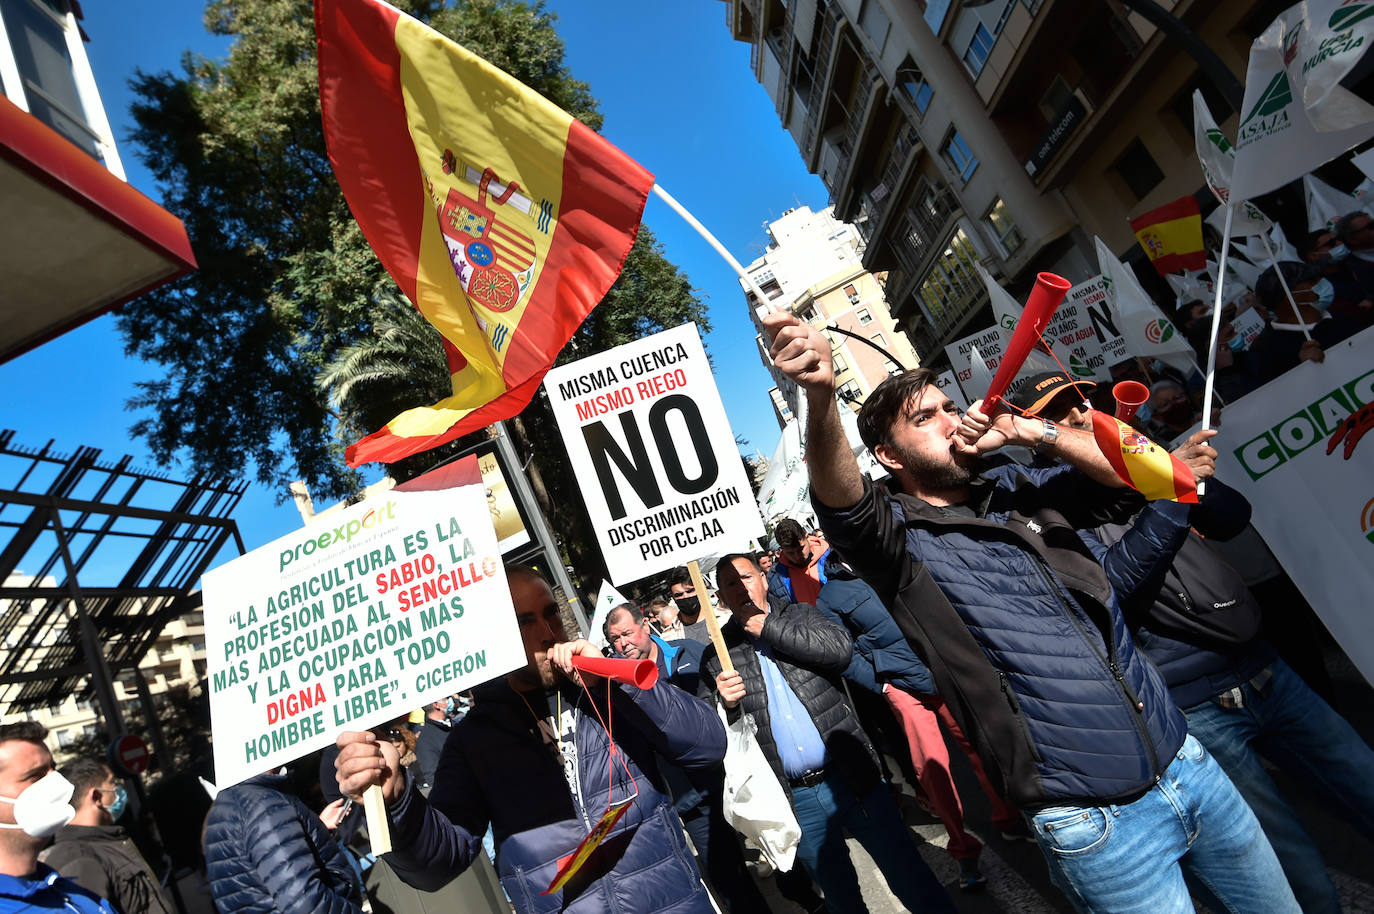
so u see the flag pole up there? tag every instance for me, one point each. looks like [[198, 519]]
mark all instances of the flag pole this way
[[735, 265], [1268, 249], [1207, 388]]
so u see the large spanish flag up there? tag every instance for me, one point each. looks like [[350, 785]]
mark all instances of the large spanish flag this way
[[1141, 463], [502, 218], [1172, 236]]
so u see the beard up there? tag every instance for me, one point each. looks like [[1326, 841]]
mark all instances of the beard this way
[[934, 474]]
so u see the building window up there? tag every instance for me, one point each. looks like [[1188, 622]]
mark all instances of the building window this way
[[913, 84], [865, 317], [1032, 5], [840, 362], [960, 156], [1138, 169], [852, 294], [892, 368], [952, 284], [979, 47], [39, 40], [879, 339], [874, 21], [849, 392], [809, 314], [1003, 228]]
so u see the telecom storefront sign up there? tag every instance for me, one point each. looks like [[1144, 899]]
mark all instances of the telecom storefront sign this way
[[343, 625], [652, 448]]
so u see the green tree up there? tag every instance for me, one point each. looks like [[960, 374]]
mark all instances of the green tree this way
[[286, 280]]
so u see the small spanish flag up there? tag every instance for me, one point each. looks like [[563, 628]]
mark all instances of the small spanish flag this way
[[1172, 236], [1141, 463], [502, 218]]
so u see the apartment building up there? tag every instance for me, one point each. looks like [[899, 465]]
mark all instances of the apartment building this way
[[814, 266], [1003, 132]]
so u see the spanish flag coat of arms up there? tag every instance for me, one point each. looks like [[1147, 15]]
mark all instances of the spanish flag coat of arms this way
[[500, 216]]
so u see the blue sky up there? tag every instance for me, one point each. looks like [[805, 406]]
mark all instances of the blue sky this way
[[677, 95]]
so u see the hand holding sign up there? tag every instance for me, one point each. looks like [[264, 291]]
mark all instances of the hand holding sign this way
[[365, 761]]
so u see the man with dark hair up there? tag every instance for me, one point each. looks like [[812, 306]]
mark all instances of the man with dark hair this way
[[801, 557], [989, 574], [787, 659], [1200, 625], [689, 605], [429, 742], [35, 802], [532, 759], [95, 853]]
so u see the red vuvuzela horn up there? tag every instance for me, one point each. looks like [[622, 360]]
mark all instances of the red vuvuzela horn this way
[[1130, 396], [1049, 291], [642, 674]]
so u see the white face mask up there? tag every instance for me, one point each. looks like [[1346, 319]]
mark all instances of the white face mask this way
[[44, 806]]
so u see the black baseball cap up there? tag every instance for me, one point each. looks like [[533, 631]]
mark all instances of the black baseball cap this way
[[1041, 388]]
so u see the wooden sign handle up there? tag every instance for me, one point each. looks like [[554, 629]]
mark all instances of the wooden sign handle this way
[[378, 825], [709, 613]]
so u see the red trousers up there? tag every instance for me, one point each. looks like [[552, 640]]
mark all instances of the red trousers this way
[[921, 717]]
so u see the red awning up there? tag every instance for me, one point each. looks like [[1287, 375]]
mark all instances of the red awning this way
[[75, 240]]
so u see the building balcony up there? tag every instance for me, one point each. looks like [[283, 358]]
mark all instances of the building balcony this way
[[926, 224], [827, 52]]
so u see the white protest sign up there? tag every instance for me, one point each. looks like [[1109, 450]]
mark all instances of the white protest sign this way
[[650, 443], [393, 603], [949, 386], [988, 344], [1298, 449], [1249, 324], [1073, 332]]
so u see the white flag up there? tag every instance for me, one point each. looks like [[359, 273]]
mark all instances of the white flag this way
[[606, 600], [1325, 204], [1006, 311], [1218, 158], [1296, 115], [1145, 328]]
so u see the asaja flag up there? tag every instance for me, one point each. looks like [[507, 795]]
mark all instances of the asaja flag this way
[[501, 217], [1217, 157], [1325, 204], [1172, 236], [1298, 111], [1141, 463]]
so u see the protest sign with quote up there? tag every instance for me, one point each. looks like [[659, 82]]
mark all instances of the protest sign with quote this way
[[394, 602], [649, 441], [1299, 450]]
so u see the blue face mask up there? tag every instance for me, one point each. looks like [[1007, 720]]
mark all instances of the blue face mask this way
[[1237, 343], [1143, 413], [450, 707], [1326, 294], [1338, 253], [121, 800]]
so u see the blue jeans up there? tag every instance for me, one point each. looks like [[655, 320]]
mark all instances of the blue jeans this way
[[1292, 726], [1131, 859], [830, 808]]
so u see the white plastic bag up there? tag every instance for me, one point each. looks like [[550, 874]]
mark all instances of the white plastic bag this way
[[754, 803]]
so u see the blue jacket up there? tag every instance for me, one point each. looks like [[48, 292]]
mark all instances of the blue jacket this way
[[881, 654], [680, 662], [1192, 614], [497, 769], [1021, 630], [47, 891], [266, 852]]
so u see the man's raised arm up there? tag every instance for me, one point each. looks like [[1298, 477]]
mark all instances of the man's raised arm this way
[[801, 353]]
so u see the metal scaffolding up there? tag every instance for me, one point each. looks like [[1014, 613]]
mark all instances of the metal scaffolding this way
[[95, 559]]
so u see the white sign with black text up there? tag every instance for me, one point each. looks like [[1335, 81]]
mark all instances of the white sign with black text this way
[[649, 441]]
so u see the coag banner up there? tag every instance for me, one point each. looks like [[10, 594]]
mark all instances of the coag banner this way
[[1297, 449], [395, 602], [649, 441]]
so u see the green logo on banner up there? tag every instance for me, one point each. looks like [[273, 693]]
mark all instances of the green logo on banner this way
[[1275, 97], [1347, 16], [1218, 139]]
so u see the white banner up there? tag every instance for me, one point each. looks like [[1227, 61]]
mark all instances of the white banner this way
[[1290, 448], [1296, 115], [344, 625], [650, 443]]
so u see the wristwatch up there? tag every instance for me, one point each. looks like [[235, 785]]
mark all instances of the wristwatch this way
[[1048, 437]]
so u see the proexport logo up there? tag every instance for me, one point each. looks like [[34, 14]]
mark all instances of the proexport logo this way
[[340, 534]]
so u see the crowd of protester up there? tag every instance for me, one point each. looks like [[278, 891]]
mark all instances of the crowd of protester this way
[[1100, 663]]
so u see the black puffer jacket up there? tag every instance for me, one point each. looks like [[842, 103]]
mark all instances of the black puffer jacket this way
[[103, 859], [812, 653], [266, 852]]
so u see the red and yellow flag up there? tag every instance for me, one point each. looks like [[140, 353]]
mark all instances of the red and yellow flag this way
[[1141, 463], [502, 218], [1172, 236]]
